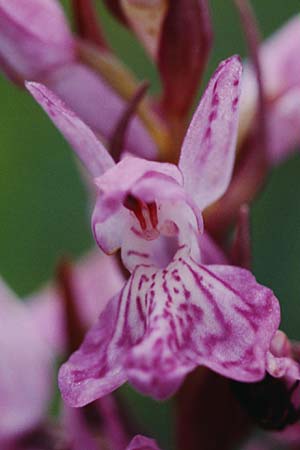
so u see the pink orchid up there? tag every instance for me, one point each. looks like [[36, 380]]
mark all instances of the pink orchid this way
[[36, 43], [279, 61], [174, 313]]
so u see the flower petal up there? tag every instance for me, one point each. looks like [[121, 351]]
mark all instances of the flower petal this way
[[166, 322], [25, 368], [208, 150], [95, 369], [87, 147], [280, 67], [130, 176], [216, 316], [97, 104], [177, 227], [149, 183], [34, 37], [279, 58], [142, 443], [282, 359], [117, 183]]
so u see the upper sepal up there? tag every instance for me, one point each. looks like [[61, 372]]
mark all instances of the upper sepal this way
[[208, 151], [86, 145]]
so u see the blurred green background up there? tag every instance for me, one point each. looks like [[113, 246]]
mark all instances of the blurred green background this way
[[43, 206]]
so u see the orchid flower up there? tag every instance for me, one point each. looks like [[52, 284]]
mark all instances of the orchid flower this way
[[174, 313], [280, 68], [36, 43]]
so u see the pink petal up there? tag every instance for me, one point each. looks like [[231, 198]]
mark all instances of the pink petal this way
[[99, 106], [87, 147], [107, 232], [95, 369], [280, 58], [220, 318], [186, 38], [25, 368], [281, 362], [142, 443], [118, 182], [280, 68], [34, 37], [208, 150], [144, 179], [46, 307], [166, 322], [177, 227], [149, 183], [283, 122]]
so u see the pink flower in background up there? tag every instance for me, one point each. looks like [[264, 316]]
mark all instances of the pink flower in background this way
[[36, 43], [94, 279], [35, 38], [25, 369], [33, 334], [174, 313], [280, 66]]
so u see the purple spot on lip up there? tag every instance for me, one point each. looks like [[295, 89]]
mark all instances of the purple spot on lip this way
[[215, 100], [235, 102], [213, 115], [207, 133], [235, 82]]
